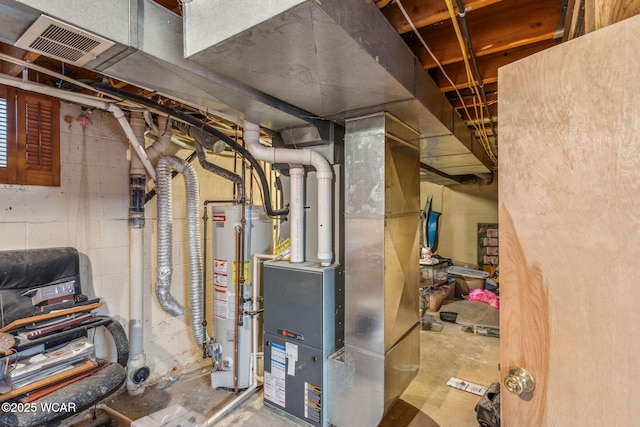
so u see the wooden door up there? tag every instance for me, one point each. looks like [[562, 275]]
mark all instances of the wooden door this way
[[569, 196]]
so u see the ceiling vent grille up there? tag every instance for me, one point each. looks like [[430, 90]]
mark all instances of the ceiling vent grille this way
[[62, 41]]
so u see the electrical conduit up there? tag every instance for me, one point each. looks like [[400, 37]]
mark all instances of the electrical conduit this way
[[324, 175], [164, 263]]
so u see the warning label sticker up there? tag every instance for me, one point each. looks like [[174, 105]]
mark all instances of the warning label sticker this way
[[223, 298], [274, 381], [220, 266], [312, 402]]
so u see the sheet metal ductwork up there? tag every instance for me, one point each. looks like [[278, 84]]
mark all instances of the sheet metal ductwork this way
[[282, 64], [382, 343], [336, 59], [166, 164]]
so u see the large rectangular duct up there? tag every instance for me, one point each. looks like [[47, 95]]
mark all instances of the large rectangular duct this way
[[382, 343], [281, 63], [334, 58]]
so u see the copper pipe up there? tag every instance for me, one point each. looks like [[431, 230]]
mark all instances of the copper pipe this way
[[238, 231]]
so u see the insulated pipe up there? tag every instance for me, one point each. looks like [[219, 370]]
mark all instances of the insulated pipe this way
[[137, 372], [324, 175], [296, 216], [220, 171], [206, 128], [90, 102], [164, 269]]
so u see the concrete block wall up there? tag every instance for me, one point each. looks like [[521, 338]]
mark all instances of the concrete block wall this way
[[89, 212]]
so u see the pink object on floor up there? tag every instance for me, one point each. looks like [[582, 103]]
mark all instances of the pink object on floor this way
[[486, 296]]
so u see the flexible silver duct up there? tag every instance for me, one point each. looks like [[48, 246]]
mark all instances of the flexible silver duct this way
[[166, 164]]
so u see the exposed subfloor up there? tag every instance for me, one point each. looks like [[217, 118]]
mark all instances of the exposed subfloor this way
[[427, 402]]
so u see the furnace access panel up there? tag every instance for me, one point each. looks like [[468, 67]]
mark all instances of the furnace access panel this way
[[303, 325]]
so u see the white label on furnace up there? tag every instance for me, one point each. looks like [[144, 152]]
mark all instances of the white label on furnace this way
[[220, 266], [292, 358], [274, 389], [278, 361]]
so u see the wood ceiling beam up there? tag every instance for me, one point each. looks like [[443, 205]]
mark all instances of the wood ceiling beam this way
[[15, 69], [493, 29], [424, 13], [467, 93], [470, 103], [172, 5], [493, 111], [487, 65]]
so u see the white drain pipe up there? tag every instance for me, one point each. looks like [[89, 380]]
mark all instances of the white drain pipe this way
[[251, 136], [137, 372], [89, 101]]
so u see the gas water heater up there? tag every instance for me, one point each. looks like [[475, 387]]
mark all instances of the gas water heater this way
[[227, 220]]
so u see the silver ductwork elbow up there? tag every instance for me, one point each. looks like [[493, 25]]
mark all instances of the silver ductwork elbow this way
[[166, 165]]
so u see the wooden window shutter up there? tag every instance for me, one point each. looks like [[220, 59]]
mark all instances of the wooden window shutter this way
[[38, 139], [8, 147]]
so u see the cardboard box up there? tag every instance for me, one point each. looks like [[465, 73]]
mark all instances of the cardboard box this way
[[465, 284], [493, 260], [490, 241]]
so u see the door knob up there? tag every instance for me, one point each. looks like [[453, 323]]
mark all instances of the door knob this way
[[519, 381]]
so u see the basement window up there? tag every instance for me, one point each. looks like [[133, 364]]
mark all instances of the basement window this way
[[29, 138]]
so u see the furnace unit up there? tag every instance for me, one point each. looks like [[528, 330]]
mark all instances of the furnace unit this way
[[303, 325]]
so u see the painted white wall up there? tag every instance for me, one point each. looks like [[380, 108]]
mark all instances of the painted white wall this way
[[463, 207], [89, 211]]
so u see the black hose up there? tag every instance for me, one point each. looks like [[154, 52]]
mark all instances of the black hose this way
[[206, 128], [120, 339], [220, 171]]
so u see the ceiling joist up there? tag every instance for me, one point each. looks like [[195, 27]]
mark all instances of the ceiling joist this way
[[492, 29], [424, 13]]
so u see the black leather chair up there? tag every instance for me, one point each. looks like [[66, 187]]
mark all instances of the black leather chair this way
[[22, 270]]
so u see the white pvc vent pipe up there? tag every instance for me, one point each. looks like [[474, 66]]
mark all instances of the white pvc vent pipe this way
[[251, 136], [296, 214]]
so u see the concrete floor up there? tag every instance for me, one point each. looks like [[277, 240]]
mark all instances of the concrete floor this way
[[427, 402]]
